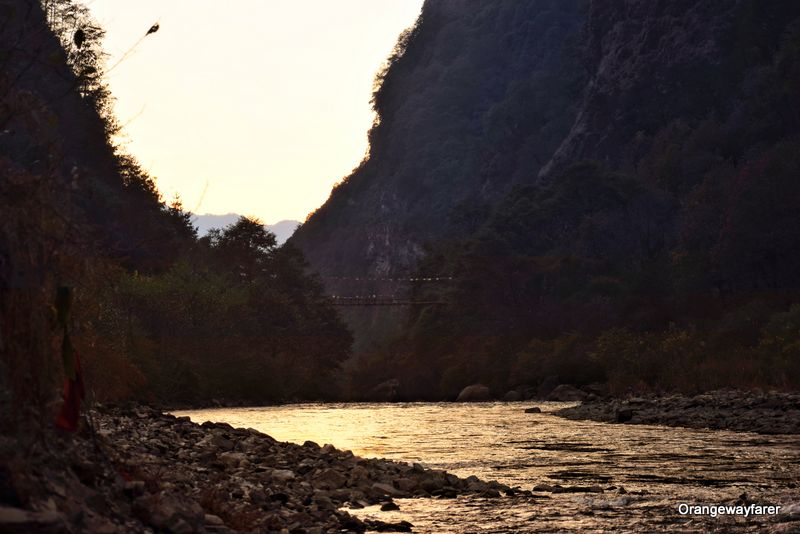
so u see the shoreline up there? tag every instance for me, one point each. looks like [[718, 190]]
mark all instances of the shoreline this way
[[143, 469], [741, 411]]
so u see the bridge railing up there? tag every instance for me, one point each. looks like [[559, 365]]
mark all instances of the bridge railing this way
[[381, 300]]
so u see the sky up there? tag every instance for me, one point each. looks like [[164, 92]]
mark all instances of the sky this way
[[256, 107]]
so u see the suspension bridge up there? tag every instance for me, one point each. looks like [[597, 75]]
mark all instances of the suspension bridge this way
[[368, 291]]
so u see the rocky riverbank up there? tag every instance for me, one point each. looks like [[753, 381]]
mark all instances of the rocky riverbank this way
[[140, 470], [764, 413]]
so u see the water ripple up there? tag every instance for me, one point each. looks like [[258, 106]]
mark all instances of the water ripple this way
[[644, 471]]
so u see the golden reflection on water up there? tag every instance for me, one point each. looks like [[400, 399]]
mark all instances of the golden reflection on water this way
[[658, 467]]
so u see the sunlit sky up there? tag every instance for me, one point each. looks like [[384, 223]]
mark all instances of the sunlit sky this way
[[262, 104]]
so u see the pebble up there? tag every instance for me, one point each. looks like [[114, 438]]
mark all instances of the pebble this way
[[158, 472], [745, 411]]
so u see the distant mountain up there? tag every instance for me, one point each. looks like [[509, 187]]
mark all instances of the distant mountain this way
[[282, 229], [206, 222]]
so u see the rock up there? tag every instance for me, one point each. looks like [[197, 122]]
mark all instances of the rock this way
[[596, 389], [432, 482], [566, 393], [533, 409], [512, 396], [181, 526], [790, 512], [214, 441], [389, 507], [577, 489], [233, 459], [624, 415], [330, 479], [773, 413], [556, 488], [279, 497], [282, 475], [386, 489], [474, 393], [101, 525], [357, 473], [16, 520], [324, 502], [173, 513], [265, 485], [406, 484], [380, 526], [474, 484], [215, 520], [446, 493]]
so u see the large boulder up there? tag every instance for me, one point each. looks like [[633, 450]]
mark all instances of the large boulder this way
[[566, 393], [474, 393], [16, 520], [512, 396], [329, 479], [170, 512]]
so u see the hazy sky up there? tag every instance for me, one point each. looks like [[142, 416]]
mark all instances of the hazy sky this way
[[265, 103]]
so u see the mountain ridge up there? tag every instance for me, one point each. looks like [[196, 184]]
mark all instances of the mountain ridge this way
[[380, 218], [283, 229], [610, 186]]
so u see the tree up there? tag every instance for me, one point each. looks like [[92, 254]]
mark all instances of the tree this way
[[244, 247]]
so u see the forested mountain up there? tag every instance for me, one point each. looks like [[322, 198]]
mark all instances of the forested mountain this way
[[475, 98], [98, 273], [613, 188]]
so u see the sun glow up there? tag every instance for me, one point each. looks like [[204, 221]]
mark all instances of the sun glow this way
[[251, 107]]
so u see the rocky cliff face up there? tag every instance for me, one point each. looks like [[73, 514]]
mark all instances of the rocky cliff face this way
[[650, 62], [475, 99], [480, 97]]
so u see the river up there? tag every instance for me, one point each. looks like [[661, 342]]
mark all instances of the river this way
[[645, 472]]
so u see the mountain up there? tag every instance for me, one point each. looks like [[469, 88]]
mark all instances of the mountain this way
[[283, 230], [476, 97], [611, 188]]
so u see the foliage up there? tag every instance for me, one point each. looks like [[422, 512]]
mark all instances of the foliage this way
[[671, 267], [236, 320], [159, 314], [470, 102]]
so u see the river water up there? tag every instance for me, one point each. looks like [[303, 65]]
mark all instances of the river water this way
[[645, 472]]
